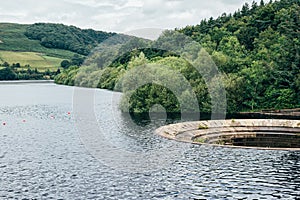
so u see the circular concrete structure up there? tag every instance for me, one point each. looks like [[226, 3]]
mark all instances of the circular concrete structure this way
[[248, 133]]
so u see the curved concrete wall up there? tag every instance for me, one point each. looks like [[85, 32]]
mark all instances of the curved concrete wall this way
[[209, 132]]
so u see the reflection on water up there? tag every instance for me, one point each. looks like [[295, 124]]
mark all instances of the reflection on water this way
[[43, 157]]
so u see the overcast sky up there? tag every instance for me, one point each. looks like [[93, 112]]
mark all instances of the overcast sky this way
[[116, 15]]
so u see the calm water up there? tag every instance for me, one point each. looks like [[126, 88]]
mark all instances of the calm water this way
[[43, 157]]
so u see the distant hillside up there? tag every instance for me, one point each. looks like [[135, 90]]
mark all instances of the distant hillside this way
[[60, 36], [44, 45], [12, 37], [32, 59], [52, 39]]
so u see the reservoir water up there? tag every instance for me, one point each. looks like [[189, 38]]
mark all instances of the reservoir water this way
[[42, 156]]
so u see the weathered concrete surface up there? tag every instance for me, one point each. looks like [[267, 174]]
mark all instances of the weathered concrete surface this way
[[210, 132]]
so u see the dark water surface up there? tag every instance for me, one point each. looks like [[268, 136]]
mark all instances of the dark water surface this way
[[42, 157]]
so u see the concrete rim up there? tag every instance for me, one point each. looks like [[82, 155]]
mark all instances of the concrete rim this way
[[189, 131]]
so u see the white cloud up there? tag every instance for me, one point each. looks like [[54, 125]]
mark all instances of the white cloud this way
[[117, 15]]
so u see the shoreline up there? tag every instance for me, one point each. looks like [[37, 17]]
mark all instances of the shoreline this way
[[290, 114], [280, 113], [25, 82]]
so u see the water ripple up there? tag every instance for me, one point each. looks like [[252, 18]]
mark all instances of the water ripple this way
[[43, 158]]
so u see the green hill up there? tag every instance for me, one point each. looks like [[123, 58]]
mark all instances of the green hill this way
[[44, 45], [71, 38], [12, 37], [36, 51]]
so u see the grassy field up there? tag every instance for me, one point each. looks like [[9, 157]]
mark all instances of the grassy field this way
[[36, 60], [13, 39]]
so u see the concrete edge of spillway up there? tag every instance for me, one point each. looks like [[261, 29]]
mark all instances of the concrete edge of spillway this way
[[265, 134]]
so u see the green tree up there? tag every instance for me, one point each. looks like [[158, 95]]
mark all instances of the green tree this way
[[5, 64], [65, 64], [77, 60], [7, 74]]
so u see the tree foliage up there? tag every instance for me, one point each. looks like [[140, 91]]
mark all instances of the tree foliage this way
[[71, 38], [256, 48], [17, 72], [259, 45]]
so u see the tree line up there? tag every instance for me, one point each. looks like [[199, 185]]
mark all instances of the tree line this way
[[17, 72]]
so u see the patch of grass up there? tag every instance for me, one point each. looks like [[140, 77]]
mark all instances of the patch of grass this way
[[36, 60], [220, 142], [200, 140], [202, 126]]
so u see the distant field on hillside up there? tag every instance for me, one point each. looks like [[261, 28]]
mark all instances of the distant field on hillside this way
[[35, 60], [13, 39]]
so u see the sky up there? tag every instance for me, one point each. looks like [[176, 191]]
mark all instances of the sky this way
[[120, 16]]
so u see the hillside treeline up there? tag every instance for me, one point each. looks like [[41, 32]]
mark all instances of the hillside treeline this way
[[256, 49]]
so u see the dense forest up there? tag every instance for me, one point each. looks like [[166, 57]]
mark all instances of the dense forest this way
[[60, 36], [259, 45], [256, 49]]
